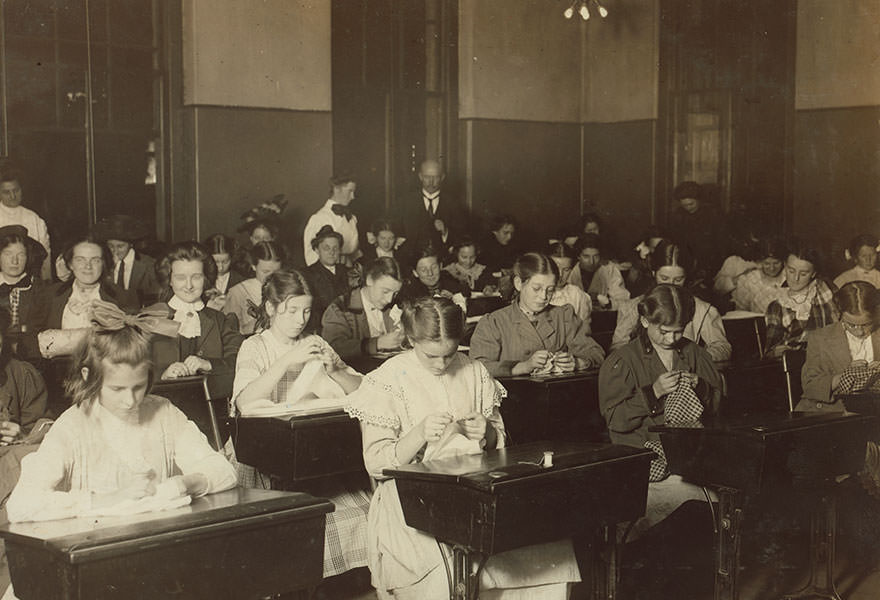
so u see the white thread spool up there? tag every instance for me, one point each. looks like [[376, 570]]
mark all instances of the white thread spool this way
[[548, 459]]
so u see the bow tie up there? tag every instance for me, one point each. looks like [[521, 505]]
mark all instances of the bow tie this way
[[342, 211]]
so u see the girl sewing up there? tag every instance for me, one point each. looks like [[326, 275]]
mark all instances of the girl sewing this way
[[281, 365], [117, 444], [432, 402], [208, 340], [472, 276], [530, 335], [848, 347], [244, 299]]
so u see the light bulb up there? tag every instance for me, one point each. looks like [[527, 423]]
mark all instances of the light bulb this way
[[585, 12], [568, 12], [602, 11]]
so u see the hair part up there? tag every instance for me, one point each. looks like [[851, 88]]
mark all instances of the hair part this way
[[667, 305], [429, 319], [221, 244], [534, 263], [858, 298], [278, 287], [670, 254], [268, 251], [382, 266]]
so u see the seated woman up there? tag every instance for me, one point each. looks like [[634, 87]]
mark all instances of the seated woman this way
[[244, 299], [531, 335], [806, 304], [362, 322], [208, 340], [754, 290], [568, 293], [224, 250], [601, 279], [117, 444], [432, 402], [21, 258], [862, 251], [327, 278], [281, 365], [69, 303], [382, 240], [670, 263], [471, 275], [851, 344], [428, 279]]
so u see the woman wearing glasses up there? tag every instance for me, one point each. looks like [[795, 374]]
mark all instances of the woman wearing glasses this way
[[69, 302], [843, 349]]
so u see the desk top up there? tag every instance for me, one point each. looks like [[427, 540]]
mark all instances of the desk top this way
[[78, 539], [486, 470], [551, 378], [763, 425]]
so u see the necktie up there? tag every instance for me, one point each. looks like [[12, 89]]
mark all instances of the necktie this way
[[431, 205], [120, 277]]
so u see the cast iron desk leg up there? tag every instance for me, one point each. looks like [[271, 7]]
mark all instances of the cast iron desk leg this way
[[605, 561], [465, 580], [727, 543], [823, 534]]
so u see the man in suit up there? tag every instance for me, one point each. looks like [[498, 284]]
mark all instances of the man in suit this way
[[433, 218], [133, 274]]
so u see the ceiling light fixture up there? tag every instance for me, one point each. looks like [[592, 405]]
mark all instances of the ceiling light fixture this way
[[583, 9]]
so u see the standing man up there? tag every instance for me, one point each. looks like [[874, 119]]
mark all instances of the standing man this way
[[434, 217], [13, 213], [337, 214]]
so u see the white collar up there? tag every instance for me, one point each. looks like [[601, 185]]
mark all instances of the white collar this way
[[7, 280], [429, 196], [366, 301], [129, 257], [179, 305], [187, 314]]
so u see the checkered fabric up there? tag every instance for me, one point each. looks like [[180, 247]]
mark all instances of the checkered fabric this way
[[682, 407], [858, 378]]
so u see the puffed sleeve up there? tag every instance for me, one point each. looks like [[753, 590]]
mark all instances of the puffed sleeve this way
[[193, 454], [31, 396], [373, 404], [627, 319], [578, 341], [617, 291], [231, 340], [40, 494], [486, 346], [711, 332], [817, 372], [623, 402]]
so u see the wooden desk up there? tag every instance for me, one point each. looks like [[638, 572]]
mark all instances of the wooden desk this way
[[501, 500], [553, 407], [795, 455], [300, 449], [227, 545]]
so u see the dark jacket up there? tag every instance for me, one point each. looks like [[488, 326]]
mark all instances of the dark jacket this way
[[218, 343], [345, 327], [325, 287]]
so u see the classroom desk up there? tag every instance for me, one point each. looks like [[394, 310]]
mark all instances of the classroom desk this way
[[300, 450], [561, 407], [226, 545], [505, 499]]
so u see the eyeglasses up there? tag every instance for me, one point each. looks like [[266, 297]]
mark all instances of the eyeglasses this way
[[82, 261], [860, 327]]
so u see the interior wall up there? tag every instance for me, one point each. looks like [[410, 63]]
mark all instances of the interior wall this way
[[837, 122]]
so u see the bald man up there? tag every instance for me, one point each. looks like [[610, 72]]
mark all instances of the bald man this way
[[433, 216]]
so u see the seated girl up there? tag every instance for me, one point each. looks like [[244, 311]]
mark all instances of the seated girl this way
[[117, 444], [21, 258], [362, 322], [805, 305], [638, 377], [281, 365], [243, 300], [497, 251], [670, 263], [224, 250], [568, 293], [472, 276], [862, 252], [531, 335], [754, 290], [601, 279], [327, 277], [69, 303], [428, 279], [850, 346], [433, 402], [381, 241], [208, 340]]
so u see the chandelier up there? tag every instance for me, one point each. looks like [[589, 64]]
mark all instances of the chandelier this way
[[583, 9]]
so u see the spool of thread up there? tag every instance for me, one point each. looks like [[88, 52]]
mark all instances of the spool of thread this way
[[548, 459]]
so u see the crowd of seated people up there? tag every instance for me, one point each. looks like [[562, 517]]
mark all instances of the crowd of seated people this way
[[246, 309]]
